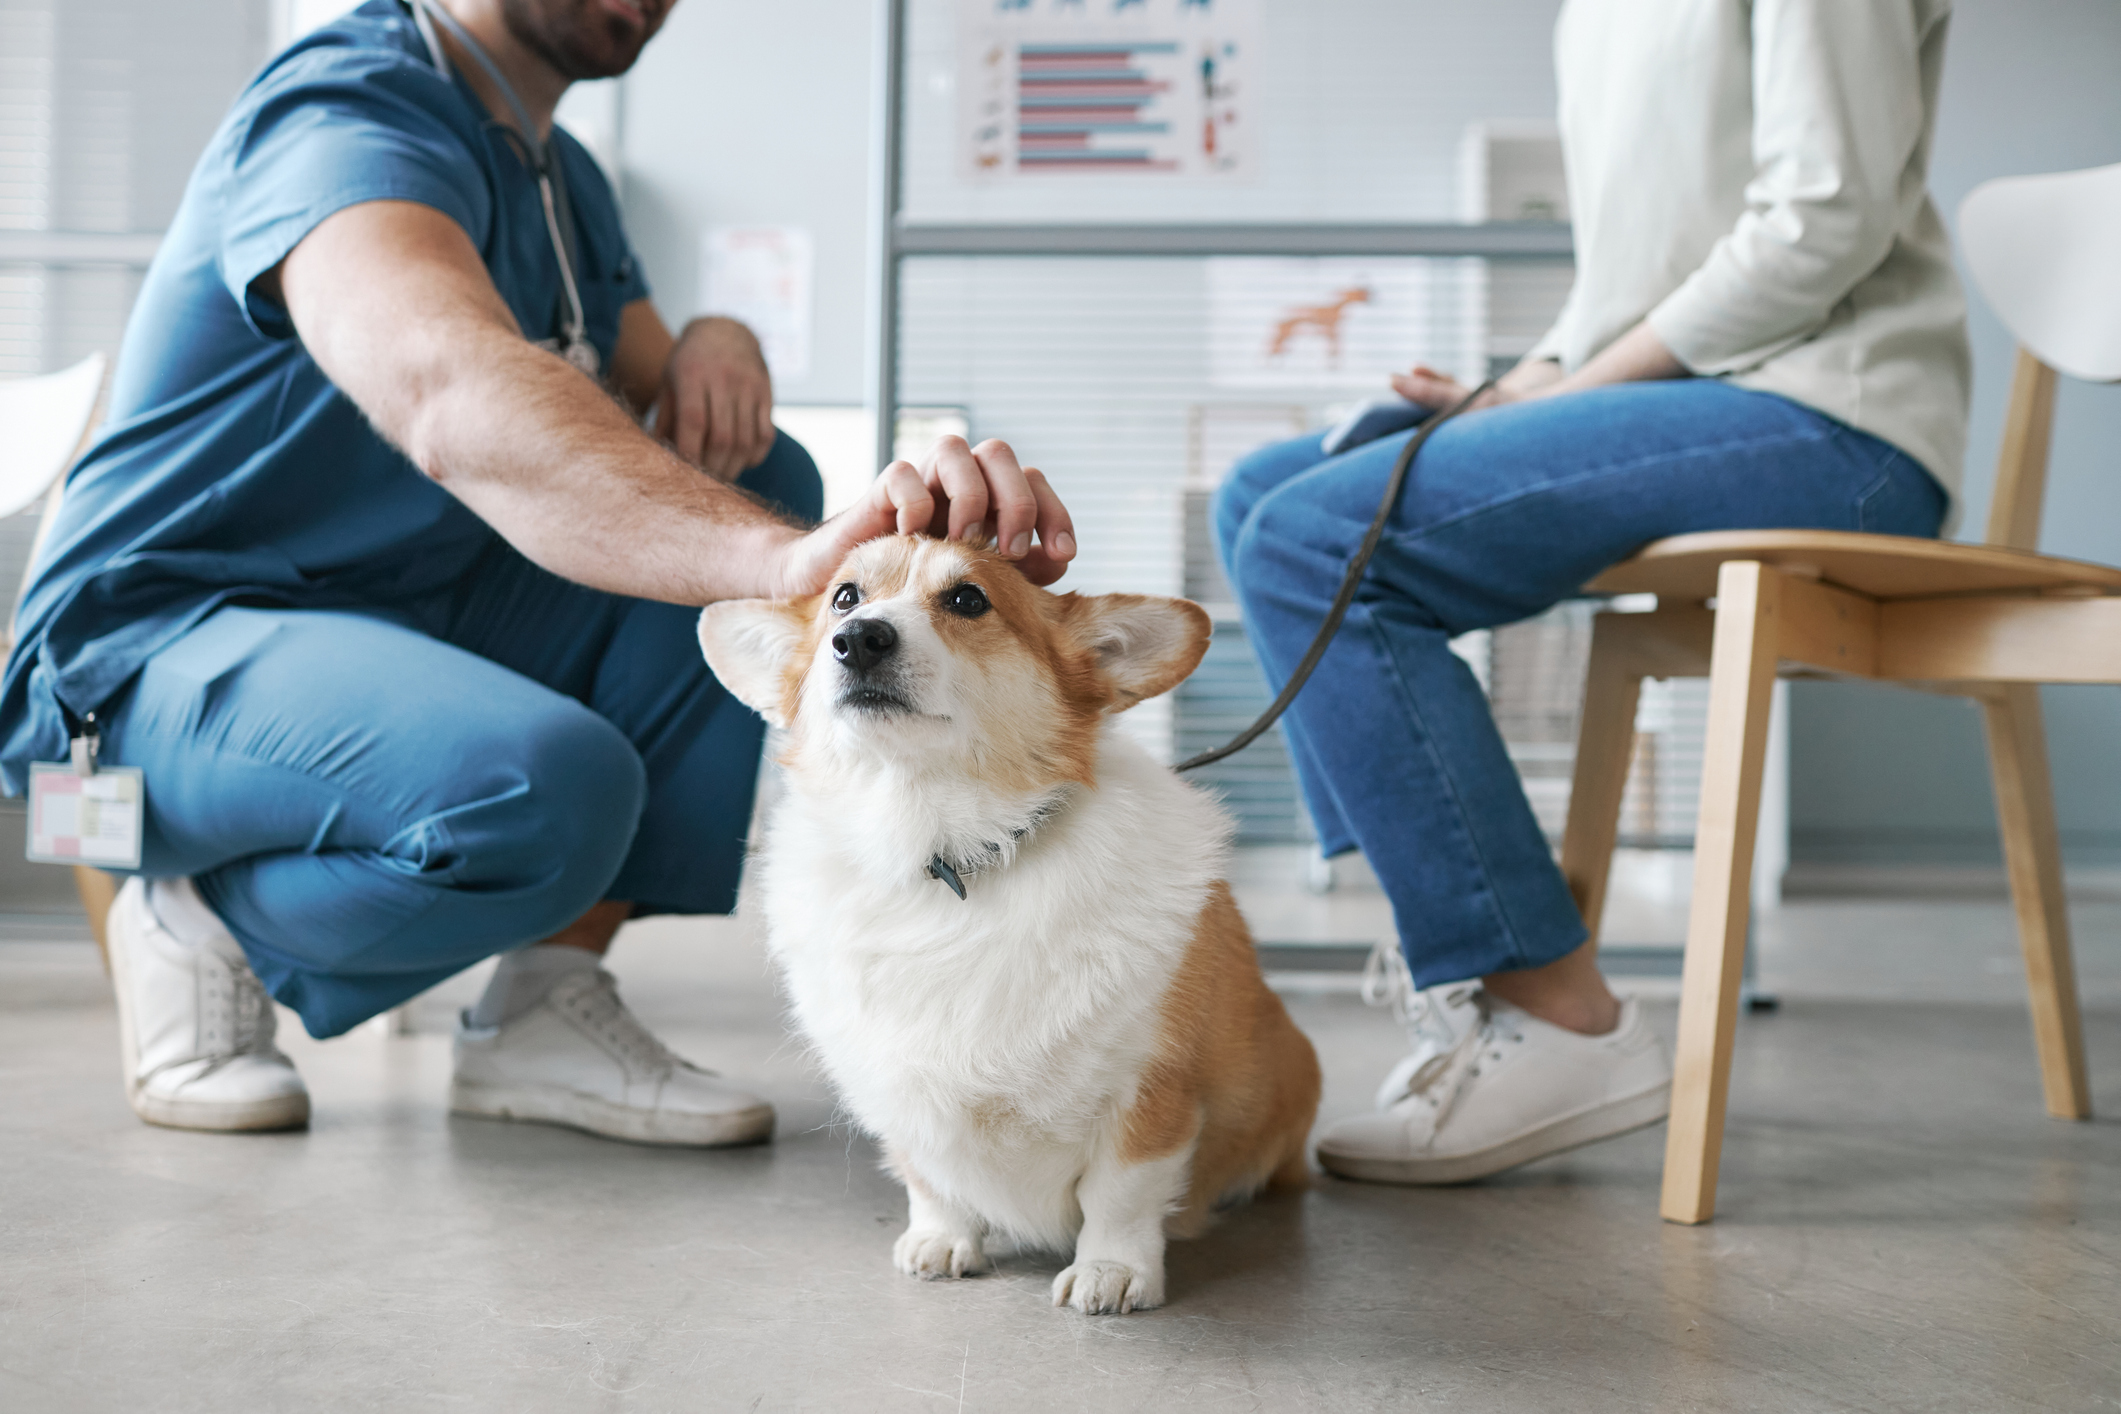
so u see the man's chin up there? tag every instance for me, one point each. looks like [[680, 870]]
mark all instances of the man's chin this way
[[613, 33], [603, 56], [587, 39]]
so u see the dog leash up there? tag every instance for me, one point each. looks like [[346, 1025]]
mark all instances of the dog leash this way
[[1349, 583]]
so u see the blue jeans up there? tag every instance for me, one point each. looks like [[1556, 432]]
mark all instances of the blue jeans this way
[[373, 800], [1505, 513]]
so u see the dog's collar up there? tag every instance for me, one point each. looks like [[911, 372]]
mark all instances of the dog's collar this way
[[952, 872]]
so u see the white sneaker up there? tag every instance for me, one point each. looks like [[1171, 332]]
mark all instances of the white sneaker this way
[[1490, 1087], [195, 1028], [580, 1059]]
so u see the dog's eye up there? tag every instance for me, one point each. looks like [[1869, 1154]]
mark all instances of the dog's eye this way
[[966, 601], [845, 598]]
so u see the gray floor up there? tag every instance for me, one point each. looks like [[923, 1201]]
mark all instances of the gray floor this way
[[1902, 1229]]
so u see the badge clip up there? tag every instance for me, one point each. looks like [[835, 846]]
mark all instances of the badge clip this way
[[82, 746]]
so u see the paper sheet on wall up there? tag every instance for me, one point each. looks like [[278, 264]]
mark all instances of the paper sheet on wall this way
[[1051, 88], [761, 275]]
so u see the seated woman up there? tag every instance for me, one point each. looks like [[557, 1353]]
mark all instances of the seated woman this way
[[1765, 331]]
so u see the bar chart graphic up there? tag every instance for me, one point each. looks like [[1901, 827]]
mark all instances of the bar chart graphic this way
[[1095, 107], [1054, 87]]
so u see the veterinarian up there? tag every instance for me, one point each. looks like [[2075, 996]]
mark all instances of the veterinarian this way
[[376, 577], [1765, 331]]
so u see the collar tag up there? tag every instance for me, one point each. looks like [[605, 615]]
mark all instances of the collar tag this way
[[939, 868]]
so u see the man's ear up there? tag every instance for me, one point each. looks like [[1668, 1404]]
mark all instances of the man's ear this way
[[1146, 645], [751, 644]]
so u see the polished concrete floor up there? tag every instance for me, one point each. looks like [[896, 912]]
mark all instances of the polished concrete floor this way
[[1901, 1229]]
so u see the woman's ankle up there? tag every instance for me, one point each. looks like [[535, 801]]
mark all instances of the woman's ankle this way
[[1569, 992]]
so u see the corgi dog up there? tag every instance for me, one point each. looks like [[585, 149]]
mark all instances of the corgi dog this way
[[1003, 925]]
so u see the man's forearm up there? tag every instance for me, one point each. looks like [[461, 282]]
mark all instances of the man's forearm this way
[[392, 301], [560, 470]]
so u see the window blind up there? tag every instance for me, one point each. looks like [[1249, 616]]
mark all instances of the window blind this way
[[105, 106]]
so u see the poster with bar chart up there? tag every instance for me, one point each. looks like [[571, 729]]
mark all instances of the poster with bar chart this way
[[1108, 88]]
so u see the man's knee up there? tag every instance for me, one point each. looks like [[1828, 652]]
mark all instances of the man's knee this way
[[587, 790], [550, 828]]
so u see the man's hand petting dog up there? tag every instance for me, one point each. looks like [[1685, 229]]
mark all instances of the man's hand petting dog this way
[[976, 494]]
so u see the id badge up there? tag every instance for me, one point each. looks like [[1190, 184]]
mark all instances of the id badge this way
[[86, 819]]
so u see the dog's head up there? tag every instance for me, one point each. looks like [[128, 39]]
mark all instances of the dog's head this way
[[930, 650]]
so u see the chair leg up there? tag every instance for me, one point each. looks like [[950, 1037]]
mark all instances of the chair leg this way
[[1605, 740], [1741, 694], [2025, 806]]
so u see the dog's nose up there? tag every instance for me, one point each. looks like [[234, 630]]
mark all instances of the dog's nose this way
[[863, 643]]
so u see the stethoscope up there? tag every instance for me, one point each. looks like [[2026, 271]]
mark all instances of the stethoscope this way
[[572, 343]]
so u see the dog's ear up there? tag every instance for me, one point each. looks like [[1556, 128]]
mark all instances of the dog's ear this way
[[750, 644], [1146, 645]]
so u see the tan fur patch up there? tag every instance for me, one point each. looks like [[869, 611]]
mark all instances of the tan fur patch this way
[[880, 568], [1047, 703], [997, 1116], [900, 1167], [798, 665], [1231, 1067]]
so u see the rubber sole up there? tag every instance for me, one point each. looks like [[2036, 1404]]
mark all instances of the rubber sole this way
[[1555, 1137], [246, 1117], [570, 1109], [219, 1117]]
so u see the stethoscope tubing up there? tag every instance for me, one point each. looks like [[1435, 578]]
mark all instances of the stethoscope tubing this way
[[539, 154]]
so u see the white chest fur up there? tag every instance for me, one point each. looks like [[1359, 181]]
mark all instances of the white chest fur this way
[[995, 1041]]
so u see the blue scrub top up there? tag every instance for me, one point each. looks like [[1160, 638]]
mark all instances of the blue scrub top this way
[[229, 466]]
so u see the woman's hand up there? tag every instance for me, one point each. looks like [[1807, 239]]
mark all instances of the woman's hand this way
[[1637, 356], [716, 405], [1426, 387], [976, 494]]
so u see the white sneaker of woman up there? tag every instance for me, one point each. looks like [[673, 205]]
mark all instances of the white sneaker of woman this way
[[1489, 1087]]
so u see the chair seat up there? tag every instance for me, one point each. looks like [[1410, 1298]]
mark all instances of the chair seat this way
[[1684, 567]]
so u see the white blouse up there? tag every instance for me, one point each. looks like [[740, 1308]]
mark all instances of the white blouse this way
[[1749, 176]]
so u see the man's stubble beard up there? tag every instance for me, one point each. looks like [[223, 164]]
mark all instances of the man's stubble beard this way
[[551, 29]]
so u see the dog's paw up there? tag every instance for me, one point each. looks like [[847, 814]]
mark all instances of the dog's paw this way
[[1108, 1288], [928, 1253]]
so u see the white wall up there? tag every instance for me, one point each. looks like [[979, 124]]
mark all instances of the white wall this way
[[747, 114]]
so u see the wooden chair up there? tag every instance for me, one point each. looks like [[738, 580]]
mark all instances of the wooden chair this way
[[48, 421], [1989, 622]]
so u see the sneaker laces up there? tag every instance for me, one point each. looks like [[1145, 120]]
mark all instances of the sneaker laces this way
[[1449, 1025], [597, 1008], [235, 1014]]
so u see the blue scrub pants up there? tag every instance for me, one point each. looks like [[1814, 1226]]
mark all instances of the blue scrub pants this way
[[375, 799], [1505, 513]]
